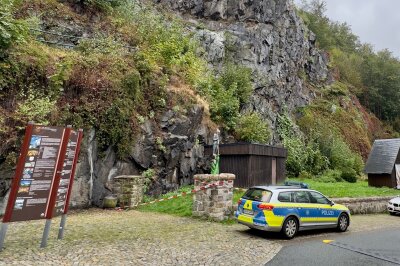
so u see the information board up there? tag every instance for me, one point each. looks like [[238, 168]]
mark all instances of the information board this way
[[34, 182], [66, 175]]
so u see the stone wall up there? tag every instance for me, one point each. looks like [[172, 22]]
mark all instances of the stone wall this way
[[214, 198], [368, 205], [364, 205], [128, 189]]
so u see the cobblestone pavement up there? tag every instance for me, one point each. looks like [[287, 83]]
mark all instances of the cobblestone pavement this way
[[98, 237]]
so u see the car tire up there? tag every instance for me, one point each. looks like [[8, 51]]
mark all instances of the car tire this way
[[290, 227], [343, 223], [392, 213]]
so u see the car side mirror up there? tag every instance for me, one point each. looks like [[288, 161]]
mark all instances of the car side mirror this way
[[332, 203]]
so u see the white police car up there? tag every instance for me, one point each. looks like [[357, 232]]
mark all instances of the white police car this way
[[288, 209]]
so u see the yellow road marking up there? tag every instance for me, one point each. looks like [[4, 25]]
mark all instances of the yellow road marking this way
[[327, 241]]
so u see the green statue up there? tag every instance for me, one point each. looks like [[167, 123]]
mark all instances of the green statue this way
[[215, 162]]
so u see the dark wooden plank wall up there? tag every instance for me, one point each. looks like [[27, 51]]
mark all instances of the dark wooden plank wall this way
[[280, 170], [251, 163], [381, 180], [238, 165], [260, 171]]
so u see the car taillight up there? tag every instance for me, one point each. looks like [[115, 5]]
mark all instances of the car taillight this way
[[266, 207], [239, 201]]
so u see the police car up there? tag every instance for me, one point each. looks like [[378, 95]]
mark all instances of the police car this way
[[290, 209]]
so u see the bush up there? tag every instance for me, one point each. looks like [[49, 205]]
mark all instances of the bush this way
[[226, 94], [302, 155], [11, 29], [305, 175], [238, 79], [252, 128], [35, 108], [343, 158], [103, 5], [114, 127], [349, 175], [330, 174], [224, 104], [325, 130]]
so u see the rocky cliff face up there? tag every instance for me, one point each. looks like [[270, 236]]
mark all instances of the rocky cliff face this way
[[266, 36], [173, 146]]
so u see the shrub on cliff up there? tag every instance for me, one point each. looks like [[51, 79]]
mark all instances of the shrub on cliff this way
[[238, 79], [11, 30], [101, 5], [303, 155], [251, 128], [226, 94]]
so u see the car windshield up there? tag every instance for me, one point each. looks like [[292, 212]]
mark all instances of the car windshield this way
[[258, 194]]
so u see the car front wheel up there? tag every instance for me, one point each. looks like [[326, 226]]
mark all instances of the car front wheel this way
[[290, 227], [343, 223]]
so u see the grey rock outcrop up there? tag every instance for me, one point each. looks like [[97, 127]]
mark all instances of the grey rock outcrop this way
[[170, 145], [266, 36]]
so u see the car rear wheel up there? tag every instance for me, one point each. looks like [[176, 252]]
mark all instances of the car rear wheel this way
[[343, 223], [290, 227]]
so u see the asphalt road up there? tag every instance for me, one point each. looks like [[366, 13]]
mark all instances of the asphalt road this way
[[379, 247]]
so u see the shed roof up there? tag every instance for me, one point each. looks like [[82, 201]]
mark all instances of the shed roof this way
[[383, 156]]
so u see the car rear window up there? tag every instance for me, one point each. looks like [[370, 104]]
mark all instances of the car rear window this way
[[258, 194]]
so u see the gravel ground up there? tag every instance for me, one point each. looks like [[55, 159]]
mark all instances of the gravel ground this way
[[99, 237]]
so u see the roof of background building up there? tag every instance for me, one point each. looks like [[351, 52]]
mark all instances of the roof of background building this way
[[383, 156]]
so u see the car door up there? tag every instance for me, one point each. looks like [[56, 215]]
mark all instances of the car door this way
[[325, 213], [304, 208]]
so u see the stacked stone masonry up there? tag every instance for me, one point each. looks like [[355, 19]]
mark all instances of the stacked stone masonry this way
[[128, 189], [365, 205], [214, 198]]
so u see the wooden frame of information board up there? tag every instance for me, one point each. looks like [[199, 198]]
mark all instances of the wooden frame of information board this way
[[36, 182], [54, 186], [72, 154]]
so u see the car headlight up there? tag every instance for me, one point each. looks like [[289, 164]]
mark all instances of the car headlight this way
[[390, 203]]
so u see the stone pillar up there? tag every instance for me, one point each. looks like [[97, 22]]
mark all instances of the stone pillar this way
[[128, 189], [213, 202]]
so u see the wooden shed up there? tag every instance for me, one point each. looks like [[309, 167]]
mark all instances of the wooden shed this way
[[253, 164], [383, 165]]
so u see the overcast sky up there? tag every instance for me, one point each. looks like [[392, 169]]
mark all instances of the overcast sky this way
[[375, 21]]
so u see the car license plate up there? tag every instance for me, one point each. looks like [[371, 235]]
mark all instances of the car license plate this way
[[248, 212]]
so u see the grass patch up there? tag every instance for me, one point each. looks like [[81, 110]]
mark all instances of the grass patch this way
[[181, 206], [351, 190]]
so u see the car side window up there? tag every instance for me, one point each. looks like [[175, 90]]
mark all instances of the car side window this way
[[285, 197], [318, 198], [301, 197]]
